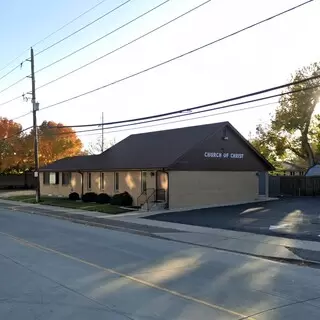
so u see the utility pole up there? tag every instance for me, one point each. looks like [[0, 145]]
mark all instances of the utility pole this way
[[102, 133], [35, 108]]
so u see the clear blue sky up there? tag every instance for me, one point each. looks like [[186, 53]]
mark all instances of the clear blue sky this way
[[262, 57]]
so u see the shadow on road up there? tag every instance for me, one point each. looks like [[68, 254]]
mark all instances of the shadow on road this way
[[148, 278]]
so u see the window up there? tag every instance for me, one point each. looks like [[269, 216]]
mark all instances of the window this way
[[46, 177], [116, 181], [51, 178], [66, 178], [89, 180], [144, 180], [102, 180]]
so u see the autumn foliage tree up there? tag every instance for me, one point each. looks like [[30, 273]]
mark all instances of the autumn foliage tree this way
[[17, 147], [55, 142], [11, 147]]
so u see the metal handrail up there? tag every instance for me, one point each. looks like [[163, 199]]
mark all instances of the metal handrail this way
[[156, 194], [147, 200], [145, 195]]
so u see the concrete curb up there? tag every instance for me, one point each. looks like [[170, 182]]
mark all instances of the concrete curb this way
[[87, 220], [310, 263], [144, 213]]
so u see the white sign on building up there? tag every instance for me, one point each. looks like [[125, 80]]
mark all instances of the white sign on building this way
[[223, 155]]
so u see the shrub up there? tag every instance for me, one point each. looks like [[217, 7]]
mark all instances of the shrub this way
[[103, 198], [89, 197], [115, 200], [122, 199], [74, 196]]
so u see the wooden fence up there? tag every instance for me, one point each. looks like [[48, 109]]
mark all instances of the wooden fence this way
[[294, 186], [17, 181]]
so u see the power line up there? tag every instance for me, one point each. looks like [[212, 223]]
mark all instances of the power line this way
[[148, 126], [160, 64], [46, 84], [82, 28], [13, 84], [63, 39], [104, 36], [22, 116], [176, 121], [11, 100], [70, 22], [12, 70], [190, 114], [16, 134], [53, 33], [181, 111], [182, 115], [206, 110], [176, 57], [125, 45], [205, 105], [179, 115]]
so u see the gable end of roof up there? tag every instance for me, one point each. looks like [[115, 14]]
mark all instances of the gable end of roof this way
[[222, 124]]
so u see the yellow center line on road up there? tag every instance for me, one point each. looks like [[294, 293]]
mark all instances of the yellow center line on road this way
[[126, 276]]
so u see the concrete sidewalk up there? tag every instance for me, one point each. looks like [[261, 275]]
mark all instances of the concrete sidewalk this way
[[242, 242]]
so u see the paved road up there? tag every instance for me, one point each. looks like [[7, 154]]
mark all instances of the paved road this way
[[290, 217], [53, 269]]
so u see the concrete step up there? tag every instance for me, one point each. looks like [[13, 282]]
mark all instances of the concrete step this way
[[154, 206]]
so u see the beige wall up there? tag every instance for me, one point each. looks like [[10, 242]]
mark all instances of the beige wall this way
[[59, 189], [186, 188], [205, 188], [129, 181], [151, 180]]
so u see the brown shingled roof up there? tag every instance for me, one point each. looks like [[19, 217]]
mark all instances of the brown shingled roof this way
[[69, 164], [151, 150], [158, 149]]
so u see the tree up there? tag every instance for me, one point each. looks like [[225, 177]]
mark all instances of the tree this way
[[11, 147], [55, 142], [98, 147], [294, 130]]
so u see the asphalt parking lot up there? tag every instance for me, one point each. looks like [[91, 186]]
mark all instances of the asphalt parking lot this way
[[297, 218]]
